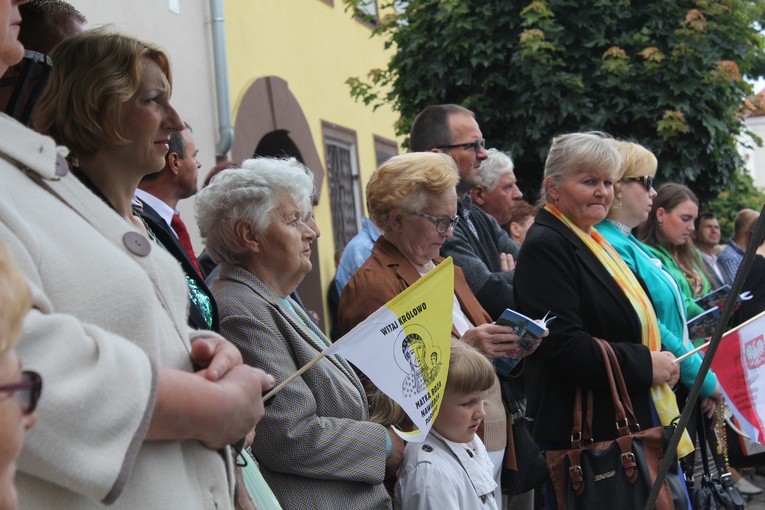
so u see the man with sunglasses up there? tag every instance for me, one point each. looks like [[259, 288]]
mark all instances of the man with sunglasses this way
[[479, 246]]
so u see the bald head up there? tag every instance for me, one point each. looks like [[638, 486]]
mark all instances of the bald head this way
[[744, 220]]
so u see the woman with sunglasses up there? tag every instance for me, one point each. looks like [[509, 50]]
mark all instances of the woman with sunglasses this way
[[19, 390], [413, 199], [633, 197]]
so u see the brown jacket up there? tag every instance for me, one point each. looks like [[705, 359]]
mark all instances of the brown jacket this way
[[385, 274]]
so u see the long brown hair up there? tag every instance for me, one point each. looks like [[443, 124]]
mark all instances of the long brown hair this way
[[669, 196]]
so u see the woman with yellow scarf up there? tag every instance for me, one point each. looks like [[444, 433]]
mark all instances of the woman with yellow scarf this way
[[565, 267]]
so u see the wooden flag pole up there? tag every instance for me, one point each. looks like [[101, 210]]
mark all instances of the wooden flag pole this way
[[691, 353], [293, 376], [701, 347]]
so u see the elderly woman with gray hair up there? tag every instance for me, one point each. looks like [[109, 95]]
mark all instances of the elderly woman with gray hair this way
[[315, 445]]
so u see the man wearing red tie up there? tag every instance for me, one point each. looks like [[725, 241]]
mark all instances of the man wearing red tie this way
[[158, 195]]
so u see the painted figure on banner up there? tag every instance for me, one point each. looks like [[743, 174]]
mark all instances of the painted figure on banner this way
[[420, 376]]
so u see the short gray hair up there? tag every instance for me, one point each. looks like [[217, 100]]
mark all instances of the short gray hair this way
[[248, 193], [574, 153], [494, 167]]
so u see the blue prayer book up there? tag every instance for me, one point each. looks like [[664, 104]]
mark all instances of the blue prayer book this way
[[529, 332]]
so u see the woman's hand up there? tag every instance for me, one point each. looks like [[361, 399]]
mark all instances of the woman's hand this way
[[665, 370], [539, 340], [216, 413], [493, 340], [396, 452], [240, 405], [709, 404], [215, 355]]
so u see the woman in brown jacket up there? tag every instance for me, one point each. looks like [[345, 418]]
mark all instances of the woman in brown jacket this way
[[412, 199]]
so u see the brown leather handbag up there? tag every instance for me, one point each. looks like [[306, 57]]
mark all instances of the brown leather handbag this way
[[616, 473]]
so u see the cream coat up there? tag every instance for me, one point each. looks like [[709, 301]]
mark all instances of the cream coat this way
[[103, 321]]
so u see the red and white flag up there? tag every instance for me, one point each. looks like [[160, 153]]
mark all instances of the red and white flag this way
[[739, 364]]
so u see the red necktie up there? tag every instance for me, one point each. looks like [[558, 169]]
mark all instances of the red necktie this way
[[183, 237]]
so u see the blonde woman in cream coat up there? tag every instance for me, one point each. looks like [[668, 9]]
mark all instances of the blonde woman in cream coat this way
[[125, 420]]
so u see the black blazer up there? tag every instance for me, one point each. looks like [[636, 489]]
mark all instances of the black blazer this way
[[168, 239], [556, 272]]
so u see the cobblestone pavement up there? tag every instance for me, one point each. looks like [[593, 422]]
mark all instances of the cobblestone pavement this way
[[757, 502]]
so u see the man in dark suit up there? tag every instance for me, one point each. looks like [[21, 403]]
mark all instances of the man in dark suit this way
[[159, 194], [46, 23]]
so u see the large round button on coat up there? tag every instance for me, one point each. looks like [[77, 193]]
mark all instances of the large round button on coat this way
[[137, 244]]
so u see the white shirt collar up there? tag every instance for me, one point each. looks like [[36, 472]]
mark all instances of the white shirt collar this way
[[164, 210]]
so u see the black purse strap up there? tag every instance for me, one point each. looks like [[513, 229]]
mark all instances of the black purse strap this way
[[701, 433], [513, 407]]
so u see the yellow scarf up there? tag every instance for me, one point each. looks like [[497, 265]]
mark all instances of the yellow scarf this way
[[663, 398]]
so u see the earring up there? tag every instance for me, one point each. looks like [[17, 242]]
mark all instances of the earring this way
[[661, 223]]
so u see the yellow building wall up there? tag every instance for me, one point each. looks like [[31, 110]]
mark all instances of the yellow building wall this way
[[315, 47]]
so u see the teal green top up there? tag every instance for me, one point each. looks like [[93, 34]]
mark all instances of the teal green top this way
[[200, 298], [673, 267], [667, 301]]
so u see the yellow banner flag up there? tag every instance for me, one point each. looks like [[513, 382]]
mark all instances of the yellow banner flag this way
[[403, 348]]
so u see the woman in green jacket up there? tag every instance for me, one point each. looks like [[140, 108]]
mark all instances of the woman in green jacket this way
[[667, 232]]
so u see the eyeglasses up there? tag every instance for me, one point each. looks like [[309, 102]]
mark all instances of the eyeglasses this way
[[645, 180], [27, 391], [474, 146], [442, 223]]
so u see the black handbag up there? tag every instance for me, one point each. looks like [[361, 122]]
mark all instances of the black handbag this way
[[710, 493], [619, 472], [524, 467]]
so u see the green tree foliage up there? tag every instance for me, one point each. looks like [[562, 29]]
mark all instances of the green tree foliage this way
[[664, 73]]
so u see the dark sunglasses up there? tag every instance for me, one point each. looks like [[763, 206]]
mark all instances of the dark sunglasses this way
[[474, 146], [27, 391], [645, 180]]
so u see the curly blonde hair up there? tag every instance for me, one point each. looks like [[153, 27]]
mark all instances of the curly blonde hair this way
[[407, 181]]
